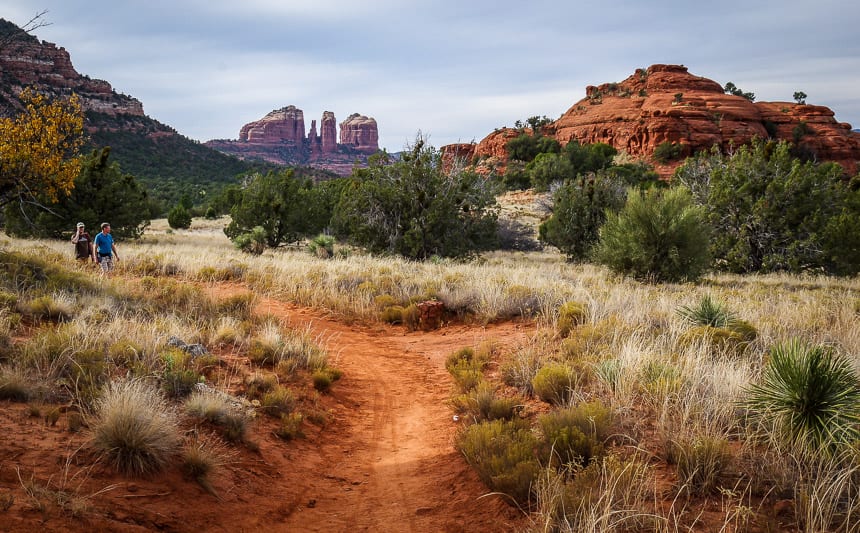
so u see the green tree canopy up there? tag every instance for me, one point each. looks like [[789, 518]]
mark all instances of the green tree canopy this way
[[101, 193], [770, 211], [414, 209], [281, 204]]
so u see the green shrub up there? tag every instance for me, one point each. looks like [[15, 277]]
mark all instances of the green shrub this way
[[178, 377], [86, 375], [554, 383], [321, 380], [392, 315], [135, 427], [658, 236], [579, 210], [322, 246], [570, 314], [467, 374], [252, 242], [668, 151], [179, 217], [575, 435], [290, 427], [708, 313], [278, 401], [808, 397], [47, 308], [481, 403], [503, 455]]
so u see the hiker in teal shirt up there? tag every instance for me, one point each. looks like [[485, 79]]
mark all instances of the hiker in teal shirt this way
[[105, 249]]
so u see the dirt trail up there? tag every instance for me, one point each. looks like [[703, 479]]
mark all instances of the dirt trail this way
[[394, 466], [383, 462]]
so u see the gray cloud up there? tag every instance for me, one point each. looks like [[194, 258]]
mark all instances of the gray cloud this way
[[454, 70]]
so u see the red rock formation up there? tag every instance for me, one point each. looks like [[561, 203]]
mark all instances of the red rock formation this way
[[285, 125], [360, 133], [328, 132], [665, 103], [460, 153], [25, 61]]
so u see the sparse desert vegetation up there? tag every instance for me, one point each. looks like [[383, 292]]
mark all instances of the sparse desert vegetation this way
[[730, 404]]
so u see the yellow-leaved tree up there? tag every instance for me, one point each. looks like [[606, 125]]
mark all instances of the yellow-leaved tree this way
[[39, 149]]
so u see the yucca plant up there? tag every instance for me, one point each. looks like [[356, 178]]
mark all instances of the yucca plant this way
[[708, 312], [808, 397]]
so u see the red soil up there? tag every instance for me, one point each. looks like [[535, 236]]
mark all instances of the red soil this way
[[384, 461]]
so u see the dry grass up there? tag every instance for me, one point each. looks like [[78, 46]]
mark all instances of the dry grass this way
[[668, 386]]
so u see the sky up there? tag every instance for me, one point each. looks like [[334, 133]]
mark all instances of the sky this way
[[451, 70]]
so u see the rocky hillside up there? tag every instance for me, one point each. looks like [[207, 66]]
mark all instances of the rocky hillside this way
[[167, 163], [279, 137], [667, 104]]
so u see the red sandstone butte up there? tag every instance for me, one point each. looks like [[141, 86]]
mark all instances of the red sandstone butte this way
[[360, 132], [665, 103]]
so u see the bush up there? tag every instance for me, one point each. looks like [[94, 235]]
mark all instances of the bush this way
[[179, 217], [502, 453], [707, 313], [322, 246], [252, 242], [575, 435], [218, 409], [579, 210], [14, 385], [570, 314], [554, 383], [135, 427], [413, 208], [290, 427], [278, 401], [770, 211], [668, 151], [481, 403], [808, 397], [657, 236]]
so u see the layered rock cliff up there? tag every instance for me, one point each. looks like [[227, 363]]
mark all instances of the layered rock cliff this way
[[665, 103], [26, 61], [279, 137]]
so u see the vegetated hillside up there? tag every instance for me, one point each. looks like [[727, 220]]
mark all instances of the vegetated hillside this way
[[166, 162], [665, 105]]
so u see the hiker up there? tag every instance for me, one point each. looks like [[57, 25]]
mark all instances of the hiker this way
[[105, 248], [83, 244]]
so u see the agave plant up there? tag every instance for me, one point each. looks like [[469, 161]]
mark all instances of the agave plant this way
[[708, 313], [808, 397]]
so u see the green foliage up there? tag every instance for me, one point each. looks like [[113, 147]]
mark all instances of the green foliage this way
[[502, 453], [526, 147], [412, 208], [575, 435], [290, 427], [668, 151], [101, 193], [279, 203], [800, 131], [589, 157], [179, 217], [799, 97], [808, 397], [482, 403], [554, 383], [168, 165], [579, 210], [322, 246], [252, 242], [570, 315], [548, 168], [708, 312], [731, 88], [772, 212], [659, 236]]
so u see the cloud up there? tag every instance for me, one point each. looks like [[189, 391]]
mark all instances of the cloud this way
[[455, 70]]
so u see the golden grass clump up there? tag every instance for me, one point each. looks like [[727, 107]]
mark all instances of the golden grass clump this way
[[554, 383], [135, 428], [483, 403], [220, 410], [15, 385], [570, 315]]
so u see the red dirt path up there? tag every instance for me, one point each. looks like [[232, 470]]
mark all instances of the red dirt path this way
[[383, 462]]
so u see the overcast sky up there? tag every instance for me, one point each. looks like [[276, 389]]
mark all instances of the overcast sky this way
[[454, 70]]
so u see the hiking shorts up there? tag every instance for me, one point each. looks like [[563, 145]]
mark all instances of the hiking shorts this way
[[106, 262]]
